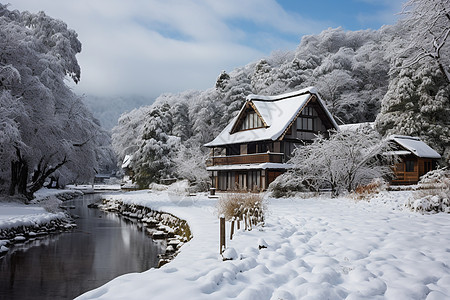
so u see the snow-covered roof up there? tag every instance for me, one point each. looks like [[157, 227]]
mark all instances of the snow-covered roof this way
[[262, 166], [356, 126], [399, 152], [126, 161], [276, 111], [415, 146]]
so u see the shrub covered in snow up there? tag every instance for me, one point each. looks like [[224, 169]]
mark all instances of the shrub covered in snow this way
[[286, 185], [434, 195], [238, 205]]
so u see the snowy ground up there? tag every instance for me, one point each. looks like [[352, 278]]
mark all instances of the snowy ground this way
[[16, 213], [317, 249]]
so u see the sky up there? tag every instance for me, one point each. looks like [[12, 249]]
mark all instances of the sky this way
[[150, 47]]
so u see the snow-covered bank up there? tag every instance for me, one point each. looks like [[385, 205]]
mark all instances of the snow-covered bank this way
[[159, 224], [19, 221], [317, 248]]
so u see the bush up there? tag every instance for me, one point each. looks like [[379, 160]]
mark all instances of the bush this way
[[434, 195], [234, 206], [286, 185], [365, 191]]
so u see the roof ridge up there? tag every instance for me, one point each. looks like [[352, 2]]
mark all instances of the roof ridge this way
[[406, 137], [308, 90]]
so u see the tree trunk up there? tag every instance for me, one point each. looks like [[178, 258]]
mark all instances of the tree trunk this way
[[40, 176], [334, 191], [19, 176]]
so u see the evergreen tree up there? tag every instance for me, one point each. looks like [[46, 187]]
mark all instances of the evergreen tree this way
[[418, 104]]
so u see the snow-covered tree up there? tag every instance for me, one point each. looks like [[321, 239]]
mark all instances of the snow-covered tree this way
[[190, 164], [332, 85], [153, 160], [50, 131], [418, 104], [350, 68], [428, 22], [342, 162], [127, 135]]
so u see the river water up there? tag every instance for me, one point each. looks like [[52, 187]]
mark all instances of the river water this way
[[65, 265]]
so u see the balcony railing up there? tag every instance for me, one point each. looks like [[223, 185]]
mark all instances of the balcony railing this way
[[256, 158], [401, 176]]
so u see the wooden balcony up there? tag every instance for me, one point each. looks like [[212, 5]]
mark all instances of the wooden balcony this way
[[256, 158]]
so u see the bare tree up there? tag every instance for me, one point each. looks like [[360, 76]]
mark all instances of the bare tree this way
[[429, 25]]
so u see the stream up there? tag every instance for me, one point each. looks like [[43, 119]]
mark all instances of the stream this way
[[65, 265]]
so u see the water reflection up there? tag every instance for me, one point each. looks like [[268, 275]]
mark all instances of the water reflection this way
[[63, 266]]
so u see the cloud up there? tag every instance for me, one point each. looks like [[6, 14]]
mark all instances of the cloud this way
[[147, 47]]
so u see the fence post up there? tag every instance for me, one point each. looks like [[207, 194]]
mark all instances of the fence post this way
[[232, 229], [244, 219], [222, 234]]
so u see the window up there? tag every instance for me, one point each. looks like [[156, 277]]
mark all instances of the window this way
[[251, 148], [305, 124], [409, 166], [254, 180], [306, 120], [233, 150], [251, 120], [309, 111]]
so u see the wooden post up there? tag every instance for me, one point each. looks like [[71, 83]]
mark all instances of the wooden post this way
[[232, 229], [222, 234], [238, 223], [244, 219]]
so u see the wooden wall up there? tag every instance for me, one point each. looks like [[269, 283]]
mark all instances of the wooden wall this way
[[421, 167]]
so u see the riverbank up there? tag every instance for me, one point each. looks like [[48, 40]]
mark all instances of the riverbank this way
[[318, 248], [20, 222], [159, 225]]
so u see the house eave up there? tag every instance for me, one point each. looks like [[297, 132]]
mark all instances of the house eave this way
[[262, 166]]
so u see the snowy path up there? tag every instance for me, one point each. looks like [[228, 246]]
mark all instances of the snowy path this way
[[317, 249]]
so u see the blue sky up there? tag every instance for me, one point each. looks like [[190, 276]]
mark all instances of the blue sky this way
[[148, 47]]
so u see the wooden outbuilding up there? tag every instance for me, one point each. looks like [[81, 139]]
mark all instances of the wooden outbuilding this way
[[417, 158]]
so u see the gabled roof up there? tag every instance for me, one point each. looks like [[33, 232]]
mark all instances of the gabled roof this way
[[277, 112], [415, 146]]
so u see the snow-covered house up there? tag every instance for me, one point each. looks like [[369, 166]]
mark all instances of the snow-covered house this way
[[416, 159], [255, 146]]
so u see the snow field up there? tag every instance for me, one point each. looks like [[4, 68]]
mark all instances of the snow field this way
[[316, 249]]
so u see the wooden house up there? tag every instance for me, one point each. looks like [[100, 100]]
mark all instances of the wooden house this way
[[255, 146], [416, 159]]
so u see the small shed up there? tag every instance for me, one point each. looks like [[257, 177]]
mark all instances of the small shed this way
[[416, 159]]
